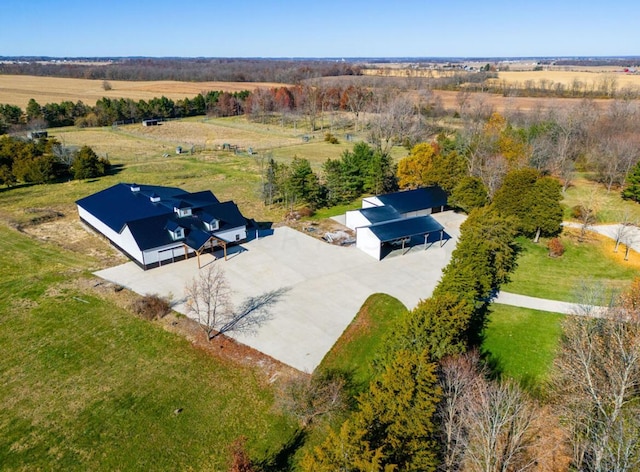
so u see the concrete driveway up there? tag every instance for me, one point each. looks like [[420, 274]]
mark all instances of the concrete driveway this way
[[327, 286]]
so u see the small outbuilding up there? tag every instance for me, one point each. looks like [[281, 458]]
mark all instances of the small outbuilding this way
[[395, 220]]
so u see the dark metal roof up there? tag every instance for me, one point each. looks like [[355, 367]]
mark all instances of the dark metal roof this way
[[197, 239], [405, 228], [149, 222], [117, 205], [380, 214], [415, 200]]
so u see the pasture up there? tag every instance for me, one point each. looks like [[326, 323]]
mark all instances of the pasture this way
[[88, 386]]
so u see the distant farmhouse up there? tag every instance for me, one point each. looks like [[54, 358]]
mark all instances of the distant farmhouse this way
[[395, 219], [154, 225]]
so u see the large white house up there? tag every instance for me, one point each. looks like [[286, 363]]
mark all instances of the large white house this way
[[395, 219], [154, 225]]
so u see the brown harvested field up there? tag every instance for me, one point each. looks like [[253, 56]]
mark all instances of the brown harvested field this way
[[501, 103], [19, 89]]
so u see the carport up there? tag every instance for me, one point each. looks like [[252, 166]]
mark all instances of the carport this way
[[399, 233], [200, 241]]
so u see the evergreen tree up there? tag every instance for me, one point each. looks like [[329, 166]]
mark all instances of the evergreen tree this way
[[469, 194], [544, 214], [632, 190], [87, 164], [393, 428]]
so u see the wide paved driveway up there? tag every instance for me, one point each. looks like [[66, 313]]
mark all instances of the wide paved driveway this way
[[327, 286]]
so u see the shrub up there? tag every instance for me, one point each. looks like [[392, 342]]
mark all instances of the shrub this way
[[151, 307], [330, 138], [556, 248]]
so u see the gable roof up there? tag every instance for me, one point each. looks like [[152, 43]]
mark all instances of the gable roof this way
[[149, 223], [414, 200], [405, 228], [380, 214], [118, 205]]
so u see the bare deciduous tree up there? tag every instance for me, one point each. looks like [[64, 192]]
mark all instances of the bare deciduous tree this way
[[487, 426], [597, 377], [209, 303], [312, 396]]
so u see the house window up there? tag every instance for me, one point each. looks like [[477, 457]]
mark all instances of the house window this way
[[237, 237], [213, 225], [177, 233], [182, 212]]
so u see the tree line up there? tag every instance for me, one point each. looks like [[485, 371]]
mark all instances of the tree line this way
[[108, 111], [46, 160], [184, 69]]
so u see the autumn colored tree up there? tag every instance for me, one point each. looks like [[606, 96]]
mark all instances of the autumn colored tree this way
[[415, 170]]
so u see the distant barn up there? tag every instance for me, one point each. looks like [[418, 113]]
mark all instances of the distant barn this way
[[151, 122], [37, 134]]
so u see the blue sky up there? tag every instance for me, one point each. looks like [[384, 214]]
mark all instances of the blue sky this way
[[329, 28]]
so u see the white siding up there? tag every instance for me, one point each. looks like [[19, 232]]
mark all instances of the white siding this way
[[230, 234], [367, 242], [164, 253], [99, 225], [129, 245], [411, 214], [371, 202], [354, 219]]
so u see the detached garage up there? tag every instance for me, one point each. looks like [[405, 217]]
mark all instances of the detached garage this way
[[379, 239]]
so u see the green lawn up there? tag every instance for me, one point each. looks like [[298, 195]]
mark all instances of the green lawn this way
[[541, 276], [355, 351], [521, 343], [610, 207], [88, 386]]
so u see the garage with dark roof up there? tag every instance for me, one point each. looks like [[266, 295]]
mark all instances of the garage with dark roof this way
[[398, 220]]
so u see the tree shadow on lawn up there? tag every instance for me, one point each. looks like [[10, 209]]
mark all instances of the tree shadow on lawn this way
[[282, 460]]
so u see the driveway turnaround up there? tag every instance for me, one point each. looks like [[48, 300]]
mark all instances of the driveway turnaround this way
[[326, 285]]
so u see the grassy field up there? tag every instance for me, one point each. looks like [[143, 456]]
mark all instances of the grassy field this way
[[541, 276], [87, 386], [521, 343], [19, 89], [610, 208], [355, 351]]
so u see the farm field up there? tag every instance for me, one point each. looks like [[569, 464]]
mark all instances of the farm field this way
[[19, 89], [567, 77]]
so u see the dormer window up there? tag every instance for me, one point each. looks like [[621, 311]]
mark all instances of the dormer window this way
[[155, 198], [182, 211], [213, 224], [135, 188], [175, 230], [178, 233]]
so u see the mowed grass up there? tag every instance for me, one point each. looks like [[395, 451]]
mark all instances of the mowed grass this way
[[88, 386], [360, 343], [593, 260], [521, 343], [609, 206]]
